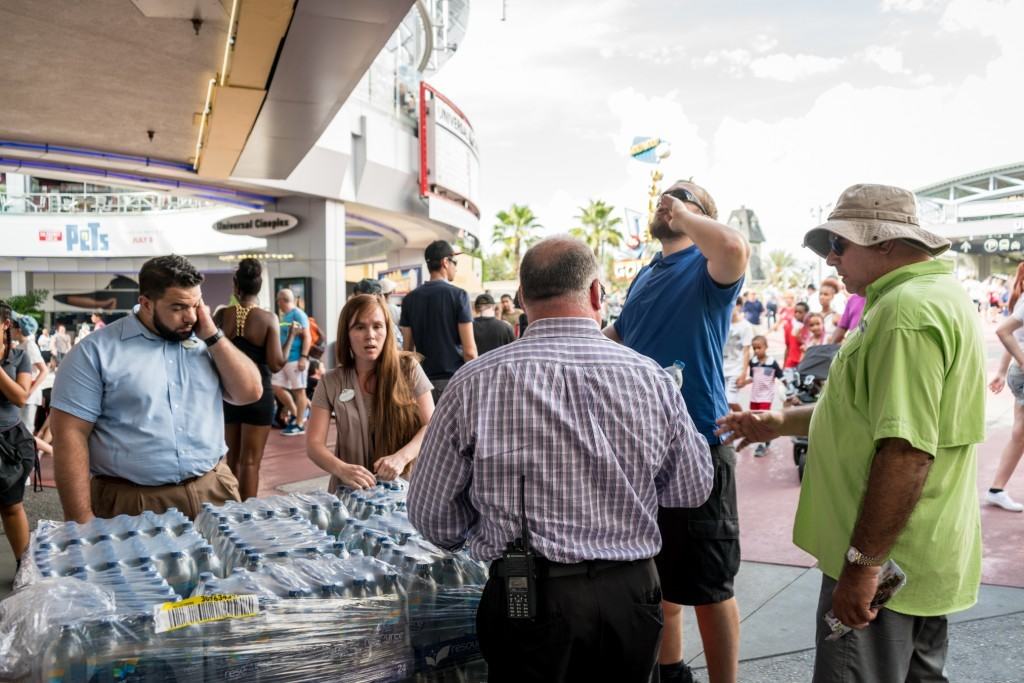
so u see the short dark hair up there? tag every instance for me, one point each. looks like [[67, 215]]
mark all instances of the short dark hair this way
[[556, 266], [368, 286], [803, 306], [760, 338], [157, 274]]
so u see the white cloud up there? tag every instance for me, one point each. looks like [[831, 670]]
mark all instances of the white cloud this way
[[734, 61], [791, 68], [763, 43], [887, 58], [906, 6], [554, 130]]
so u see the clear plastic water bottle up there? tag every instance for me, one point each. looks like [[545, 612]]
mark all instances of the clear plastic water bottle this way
[[451, 577], [207, 561], [181, 573], [64, 657], [319, 516], [338, 518]]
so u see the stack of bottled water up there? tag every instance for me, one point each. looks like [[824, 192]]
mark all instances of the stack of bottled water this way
[[345, 586], [143, 560]]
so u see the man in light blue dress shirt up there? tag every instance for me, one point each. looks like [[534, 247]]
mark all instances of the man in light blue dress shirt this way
[[137, 404]]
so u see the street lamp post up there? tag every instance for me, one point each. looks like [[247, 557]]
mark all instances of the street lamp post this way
[[817, 212]]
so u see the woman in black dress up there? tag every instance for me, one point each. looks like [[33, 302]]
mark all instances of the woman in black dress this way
[[255, 332]]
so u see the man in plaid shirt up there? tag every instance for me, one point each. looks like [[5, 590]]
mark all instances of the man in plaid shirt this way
[[602, 436]]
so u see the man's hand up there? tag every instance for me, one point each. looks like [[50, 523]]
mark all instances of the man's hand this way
[[997, 384], [671, 210], [356, 477], [389, 467], [852, 596], [303, 363], [204, 327], [748, 427]]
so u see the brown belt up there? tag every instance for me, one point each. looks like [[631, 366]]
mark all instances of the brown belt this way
[[128, 482]]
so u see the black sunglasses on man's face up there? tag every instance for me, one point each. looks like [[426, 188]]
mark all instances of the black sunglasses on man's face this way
[[836, 244], [684, 195]]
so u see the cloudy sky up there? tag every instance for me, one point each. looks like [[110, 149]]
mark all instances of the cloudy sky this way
[[777, 106]]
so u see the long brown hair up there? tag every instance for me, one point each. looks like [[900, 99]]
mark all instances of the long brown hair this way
[[1018, 286], [6, 315], [396, 417]]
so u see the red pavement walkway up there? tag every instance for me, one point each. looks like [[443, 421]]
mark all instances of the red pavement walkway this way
[[768, 490]]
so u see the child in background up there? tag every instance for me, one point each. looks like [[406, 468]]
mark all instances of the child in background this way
[[792, 329], [736, 354], [813, 332], [764, 371]]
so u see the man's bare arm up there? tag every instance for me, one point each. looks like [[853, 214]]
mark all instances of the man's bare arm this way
[[897, 478], [71, 464], [895, 482], [468, 341]]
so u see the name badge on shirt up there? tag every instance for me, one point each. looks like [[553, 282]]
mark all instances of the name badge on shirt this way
[[347, 395]]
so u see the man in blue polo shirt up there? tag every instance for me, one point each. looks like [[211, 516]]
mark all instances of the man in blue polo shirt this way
[[679, 308]]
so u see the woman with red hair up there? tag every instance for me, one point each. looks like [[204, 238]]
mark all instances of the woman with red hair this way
[[1011, 334]]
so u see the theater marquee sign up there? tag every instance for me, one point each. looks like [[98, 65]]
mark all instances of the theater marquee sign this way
[[262, 224]]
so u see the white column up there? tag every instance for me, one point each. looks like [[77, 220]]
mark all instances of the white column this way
[[19, 281], [318, 247]]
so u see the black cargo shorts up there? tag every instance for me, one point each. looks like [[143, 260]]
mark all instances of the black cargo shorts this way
[[700, 547]]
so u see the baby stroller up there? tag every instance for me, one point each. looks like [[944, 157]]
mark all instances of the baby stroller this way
[[804, 384]]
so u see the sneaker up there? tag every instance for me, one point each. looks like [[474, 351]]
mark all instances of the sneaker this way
[[675, 673], [293, 430], [761, 450], [1003, 500]]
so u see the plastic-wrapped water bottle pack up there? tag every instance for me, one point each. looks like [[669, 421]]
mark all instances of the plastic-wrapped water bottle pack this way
[[143, 560], [344, 585]]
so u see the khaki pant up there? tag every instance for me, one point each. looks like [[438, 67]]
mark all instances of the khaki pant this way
[[112, 496]]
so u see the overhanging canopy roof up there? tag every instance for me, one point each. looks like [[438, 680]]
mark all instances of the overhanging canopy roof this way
[[103, 74]]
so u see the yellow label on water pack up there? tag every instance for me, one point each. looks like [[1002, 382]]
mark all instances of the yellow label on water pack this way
[[201, 609]]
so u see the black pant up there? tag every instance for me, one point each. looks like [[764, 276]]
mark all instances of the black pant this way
[[600, 627]]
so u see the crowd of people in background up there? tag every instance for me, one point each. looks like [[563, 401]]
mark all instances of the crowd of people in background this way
[[234, 373]]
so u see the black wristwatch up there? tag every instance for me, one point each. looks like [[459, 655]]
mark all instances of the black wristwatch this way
[[214, 338]]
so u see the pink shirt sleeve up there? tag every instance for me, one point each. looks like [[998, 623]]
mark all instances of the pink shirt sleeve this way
[[852, 312]]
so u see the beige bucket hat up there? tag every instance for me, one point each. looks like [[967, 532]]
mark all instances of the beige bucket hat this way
[[872, 214]]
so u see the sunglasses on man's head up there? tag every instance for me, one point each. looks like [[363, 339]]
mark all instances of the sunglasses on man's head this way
[[684, 195]]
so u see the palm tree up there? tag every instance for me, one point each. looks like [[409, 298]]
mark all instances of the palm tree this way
[[514, 232], [598, 227], [781, 267]]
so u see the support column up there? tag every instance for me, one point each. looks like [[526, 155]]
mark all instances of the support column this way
[[18, 186], [19, 280], [318, 245]]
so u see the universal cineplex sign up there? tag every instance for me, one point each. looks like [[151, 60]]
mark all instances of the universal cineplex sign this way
[[263, 224]]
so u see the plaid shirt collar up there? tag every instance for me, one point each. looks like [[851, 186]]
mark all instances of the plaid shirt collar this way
[[563, 327]]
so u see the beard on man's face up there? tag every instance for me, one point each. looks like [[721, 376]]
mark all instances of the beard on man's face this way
[[168, 333], [660, 229]]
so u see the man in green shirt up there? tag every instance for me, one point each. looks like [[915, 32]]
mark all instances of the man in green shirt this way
[[891, 470]]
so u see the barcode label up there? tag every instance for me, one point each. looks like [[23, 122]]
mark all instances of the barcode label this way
[[174, 615]]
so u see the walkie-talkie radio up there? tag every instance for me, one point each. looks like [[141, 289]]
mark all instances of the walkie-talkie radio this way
[[518, 560]]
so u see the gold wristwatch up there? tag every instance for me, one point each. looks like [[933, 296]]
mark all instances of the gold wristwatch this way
[[854, 556]]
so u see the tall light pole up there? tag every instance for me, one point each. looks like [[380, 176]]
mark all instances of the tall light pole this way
[[817, 212]]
